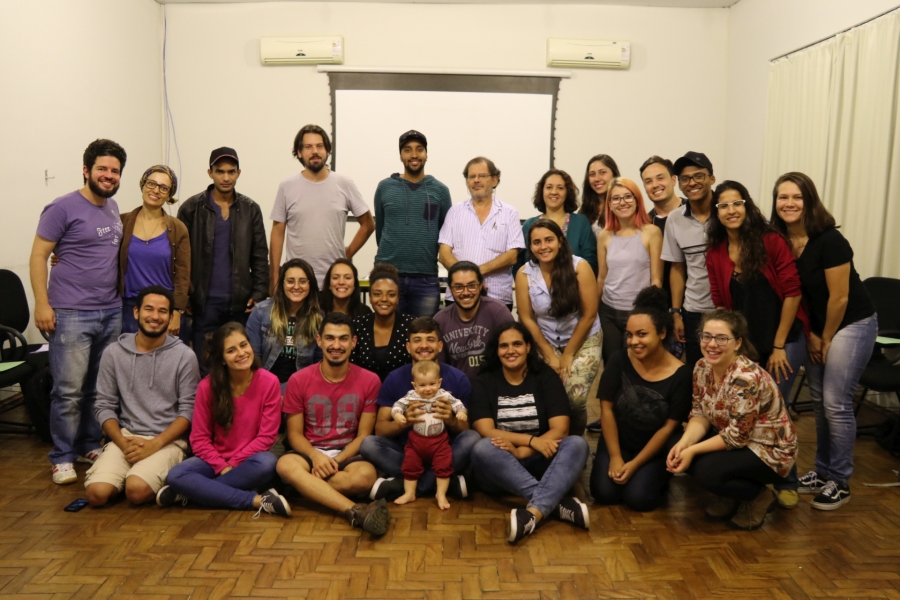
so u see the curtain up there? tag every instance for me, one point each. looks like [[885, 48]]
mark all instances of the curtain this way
[[833, 112]]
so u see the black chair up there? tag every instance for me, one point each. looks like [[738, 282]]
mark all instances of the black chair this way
[[882, 374]]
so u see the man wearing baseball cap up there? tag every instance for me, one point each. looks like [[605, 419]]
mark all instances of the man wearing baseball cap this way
[[684, 245], [409, 212], [229, 254]]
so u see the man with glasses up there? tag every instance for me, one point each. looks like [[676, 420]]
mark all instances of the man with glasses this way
[[468, 322], [685, 247], [310, 212], [484, 231], [229, 256]]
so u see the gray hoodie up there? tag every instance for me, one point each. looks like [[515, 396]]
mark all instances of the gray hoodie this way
[[146, 391]]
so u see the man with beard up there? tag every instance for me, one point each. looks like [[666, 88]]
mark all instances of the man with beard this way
[[658, 176], [485, 231], [145, 401], [80, 308], [330, 409], [310, 212], [409, 212], [468, 322], [229, 257], [385, 449]]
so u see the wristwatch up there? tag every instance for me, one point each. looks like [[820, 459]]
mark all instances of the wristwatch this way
[[674, 311]]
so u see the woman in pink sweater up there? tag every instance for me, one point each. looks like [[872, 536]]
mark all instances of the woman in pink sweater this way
[[236, 416]]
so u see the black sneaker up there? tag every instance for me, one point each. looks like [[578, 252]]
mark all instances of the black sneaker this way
[[273, 503], [166, 496], [373, 518], [574, 511], [458, 488], [595, 427], [833, 496], [811, 483], [521, 523], [389, 488]]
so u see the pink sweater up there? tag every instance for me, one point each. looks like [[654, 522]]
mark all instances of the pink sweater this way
[[257, 415]]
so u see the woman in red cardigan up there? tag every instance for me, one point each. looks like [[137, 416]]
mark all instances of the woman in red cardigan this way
[[752, 271]]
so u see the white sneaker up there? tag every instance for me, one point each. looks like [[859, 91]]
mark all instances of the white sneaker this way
[[64, 473], [90, 457]]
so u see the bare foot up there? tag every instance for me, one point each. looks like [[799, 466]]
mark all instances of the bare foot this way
[[405, 498], [442, 502]]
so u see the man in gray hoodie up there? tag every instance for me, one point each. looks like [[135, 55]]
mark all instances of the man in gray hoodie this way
[[145, 400]]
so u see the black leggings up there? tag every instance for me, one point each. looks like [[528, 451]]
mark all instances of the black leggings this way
[[613, 323], [644, 492], [738, 474]]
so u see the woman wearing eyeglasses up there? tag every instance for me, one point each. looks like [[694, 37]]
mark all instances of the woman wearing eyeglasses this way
[[155, 249], [282, 329], [739, 438]]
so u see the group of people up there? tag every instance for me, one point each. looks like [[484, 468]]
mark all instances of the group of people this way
[[701, 310]]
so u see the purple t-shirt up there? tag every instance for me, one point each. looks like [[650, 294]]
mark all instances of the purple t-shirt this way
[[220, 273], [149, 263], [87, 240], [464, 341]]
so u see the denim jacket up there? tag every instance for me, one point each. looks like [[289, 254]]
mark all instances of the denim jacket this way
[[266, 344]]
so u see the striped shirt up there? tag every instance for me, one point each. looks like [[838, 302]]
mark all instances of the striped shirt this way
[[685, 242], [470, 239], [518, 414]]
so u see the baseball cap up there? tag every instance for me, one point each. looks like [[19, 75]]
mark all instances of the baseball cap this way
[[698, 159], [223, 152], [412, 134]]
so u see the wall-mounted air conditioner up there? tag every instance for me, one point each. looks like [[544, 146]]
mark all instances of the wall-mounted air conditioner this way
[[328, 50], [599, 54]]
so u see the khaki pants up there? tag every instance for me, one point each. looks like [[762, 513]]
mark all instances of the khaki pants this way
[[114, 469]]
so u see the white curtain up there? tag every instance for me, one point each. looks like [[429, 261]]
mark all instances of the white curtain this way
[[834, 113]]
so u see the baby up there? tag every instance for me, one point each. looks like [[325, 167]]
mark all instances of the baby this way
[[428, 440]]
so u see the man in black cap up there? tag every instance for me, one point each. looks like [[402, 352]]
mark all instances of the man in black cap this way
[[229, 254], [409, 212], [684, 246]]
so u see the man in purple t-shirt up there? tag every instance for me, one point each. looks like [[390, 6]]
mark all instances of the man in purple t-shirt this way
[[80, 308]]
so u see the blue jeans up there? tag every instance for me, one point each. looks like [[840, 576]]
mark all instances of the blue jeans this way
[[216, 313], [387, 456], [419, 296], [831, 388], [76, 345], [541, 481], [796, 355], [644, 492], [197, 481]]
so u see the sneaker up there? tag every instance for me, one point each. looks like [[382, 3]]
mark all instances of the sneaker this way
[[521, 523], [788, 498], [166, 496], [721, 508], [389, 488], [90, 457], [64, 473], [273, 503], [834, 495], [458, 488], [574, 511], [811, 483], [373, 517], [594, 427], [750, 515]]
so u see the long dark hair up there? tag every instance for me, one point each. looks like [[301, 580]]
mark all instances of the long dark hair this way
[[591, 202], [739, 329], [219, 375], [816, 217], [308, 316], [564, 296], [753, 256], [326, 296], [570, 204], [492, 349]]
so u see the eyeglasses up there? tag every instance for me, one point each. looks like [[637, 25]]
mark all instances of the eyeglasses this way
[[481, 176], [623, 199], [471, 287], [698, 177], [721, 340], [300, 282], [152, 185], [736, 204]]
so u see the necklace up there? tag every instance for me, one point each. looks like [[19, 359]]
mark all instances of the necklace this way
[[144, 228], [325, 377]]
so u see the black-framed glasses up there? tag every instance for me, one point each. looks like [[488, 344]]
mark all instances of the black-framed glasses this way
[[736, 204], [721, 339], [623, 199], [471, 287], [698, 177], [152, 185]]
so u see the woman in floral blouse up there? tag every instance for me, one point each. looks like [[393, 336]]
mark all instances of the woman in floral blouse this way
[[739, 437]]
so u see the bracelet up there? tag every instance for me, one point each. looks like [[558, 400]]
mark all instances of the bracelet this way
[[778, 347], [529, 442]]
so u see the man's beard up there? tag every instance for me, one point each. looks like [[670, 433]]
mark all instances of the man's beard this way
[[100, 192]]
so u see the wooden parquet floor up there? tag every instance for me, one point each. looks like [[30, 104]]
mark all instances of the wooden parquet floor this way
[[148, 552]]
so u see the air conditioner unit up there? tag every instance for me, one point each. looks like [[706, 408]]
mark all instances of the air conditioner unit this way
[[327, 50], [599, 54]]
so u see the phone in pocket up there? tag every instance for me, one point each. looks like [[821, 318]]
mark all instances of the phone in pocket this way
[[76, 505]]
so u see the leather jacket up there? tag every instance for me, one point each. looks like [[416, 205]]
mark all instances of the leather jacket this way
[[249, 249]]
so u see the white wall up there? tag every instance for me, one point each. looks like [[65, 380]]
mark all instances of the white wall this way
[[221, 95], [760, 30], [72, 72]]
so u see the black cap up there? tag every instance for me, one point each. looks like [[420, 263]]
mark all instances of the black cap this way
[[698, 159], [412, 134], [223, 152]]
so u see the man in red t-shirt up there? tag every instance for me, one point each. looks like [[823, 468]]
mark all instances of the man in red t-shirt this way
[[331, 408]]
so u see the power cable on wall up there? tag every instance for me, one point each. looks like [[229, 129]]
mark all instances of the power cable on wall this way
[[171, 136]]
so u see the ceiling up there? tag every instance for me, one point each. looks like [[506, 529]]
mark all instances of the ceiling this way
[[662, 3]]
